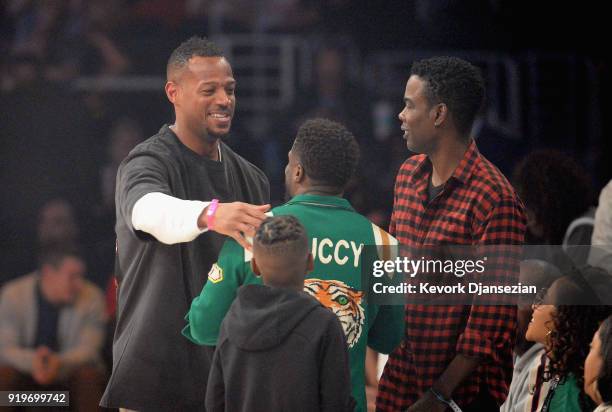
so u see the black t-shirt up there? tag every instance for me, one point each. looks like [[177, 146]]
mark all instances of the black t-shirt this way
[[48, 319], [154, 366], [433, 191]]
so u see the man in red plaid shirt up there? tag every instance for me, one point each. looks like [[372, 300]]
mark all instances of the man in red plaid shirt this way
[[448, 193]]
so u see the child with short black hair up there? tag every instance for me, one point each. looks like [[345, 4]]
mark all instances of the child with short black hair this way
[[279, 348]]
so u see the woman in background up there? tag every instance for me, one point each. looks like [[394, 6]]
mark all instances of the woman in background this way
[[564, 324], [598, 368]]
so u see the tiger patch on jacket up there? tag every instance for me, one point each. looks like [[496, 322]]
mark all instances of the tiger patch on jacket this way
[[344, 301]]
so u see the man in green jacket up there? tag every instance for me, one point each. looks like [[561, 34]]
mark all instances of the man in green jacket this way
[[322, 160]]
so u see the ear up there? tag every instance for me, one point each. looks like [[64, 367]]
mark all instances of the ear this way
[[255, 268], [171, 91], [300, 174], [310, 263], [440, 114]]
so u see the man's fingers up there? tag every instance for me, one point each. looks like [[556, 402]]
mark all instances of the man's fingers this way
[[250, 221], [247, 230], [242, 222], [240, 216], [258, 212], [241, 240]]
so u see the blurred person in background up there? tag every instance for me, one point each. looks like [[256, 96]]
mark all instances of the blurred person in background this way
[[60, 40], [598, 368], [57, 224], [601, 251], [54, 225], [333, 95], [556, 191], [527, 389], [99, 234], [124, 135], [564, 320], [52, 326]]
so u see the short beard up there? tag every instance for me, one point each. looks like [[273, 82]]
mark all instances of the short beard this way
[[211, 137]]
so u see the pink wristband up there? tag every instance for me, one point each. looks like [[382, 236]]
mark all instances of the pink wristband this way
[[210, 213]]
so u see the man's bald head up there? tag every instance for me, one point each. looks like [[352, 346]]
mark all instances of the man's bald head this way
[[193, 47]]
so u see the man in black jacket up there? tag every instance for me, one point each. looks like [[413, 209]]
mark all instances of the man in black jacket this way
[[179, 195], [279, 349]]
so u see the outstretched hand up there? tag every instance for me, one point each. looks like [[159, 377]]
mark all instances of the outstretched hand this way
[[237, 219]]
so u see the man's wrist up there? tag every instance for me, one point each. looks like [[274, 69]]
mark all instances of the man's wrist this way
[[438, 396], [442, 390], [210, 213], [457, 371], [201, 220], [449, 402]]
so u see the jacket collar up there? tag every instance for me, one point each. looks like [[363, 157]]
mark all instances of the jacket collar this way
[[462, 173], [319, 200]]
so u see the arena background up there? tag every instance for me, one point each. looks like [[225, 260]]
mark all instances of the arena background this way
[[75, 73]]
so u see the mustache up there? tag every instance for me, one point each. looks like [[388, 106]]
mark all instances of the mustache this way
[[223, 110]]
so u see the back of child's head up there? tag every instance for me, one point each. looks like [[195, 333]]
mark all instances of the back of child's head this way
[[280, 252]]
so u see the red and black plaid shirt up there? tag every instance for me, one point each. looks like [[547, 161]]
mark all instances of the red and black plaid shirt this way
[[476, 206]]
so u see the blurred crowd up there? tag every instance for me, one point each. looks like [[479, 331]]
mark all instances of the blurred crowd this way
[[57, 40]]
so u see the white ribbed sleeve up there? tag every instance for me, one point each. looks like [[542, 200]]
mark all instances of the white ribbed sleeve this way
[[168, 219]]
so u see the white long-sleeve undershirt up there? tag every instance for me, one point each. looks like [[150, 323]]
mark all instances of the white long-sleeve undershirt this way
[[168, 219]]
